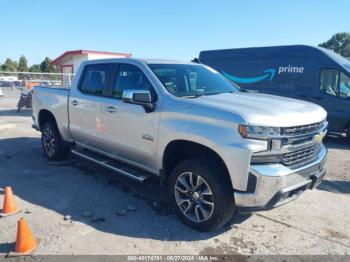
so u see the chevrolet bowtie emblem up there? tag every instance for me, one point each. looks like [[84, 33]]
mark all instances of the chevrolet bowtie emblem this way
[[319, 137]]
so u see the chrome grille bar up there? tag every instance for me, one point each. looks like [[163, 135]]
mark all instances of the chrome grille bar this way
[[302, 130], [301, 156]]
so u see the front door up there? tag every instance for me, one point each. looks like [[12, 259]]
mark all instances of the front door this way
[[131, 132]]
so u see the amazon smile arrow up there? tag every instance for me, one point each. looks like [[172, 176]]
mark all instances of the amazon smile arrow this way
[[269, 74]]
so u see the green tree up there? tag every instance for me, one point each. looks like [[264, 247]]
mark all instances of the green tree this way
[[47, 67], [35, 68], [9, 65], [339, 43], [22, 64]]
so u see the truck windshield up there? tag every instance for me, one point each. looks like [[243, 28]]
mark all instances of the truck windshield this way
[[187, 80]]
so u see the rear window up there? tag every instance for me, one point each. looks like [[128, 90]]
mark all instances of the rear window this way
[[96, 79]]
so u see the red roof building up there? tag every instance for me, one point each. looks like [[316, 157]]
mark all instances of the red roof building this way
[[70, 61]]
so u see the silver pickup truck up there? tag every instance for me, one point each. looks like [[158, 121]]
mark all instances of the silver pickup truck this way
[[216, 150]]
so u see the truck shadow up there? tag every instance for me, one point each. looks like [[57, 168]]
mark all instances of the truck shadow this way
[[335, 186], [6, 247], [92, 195]]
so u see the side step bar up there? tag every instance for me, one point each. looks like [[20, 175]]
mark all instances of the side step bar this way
[[113, 165]]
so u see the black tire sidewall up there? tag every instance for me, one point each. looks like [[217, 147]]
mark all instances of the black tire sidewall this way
[[61, 151], [223, 198]]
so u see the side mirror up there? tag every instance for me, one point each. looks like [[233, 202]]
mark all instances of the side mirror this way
[[139, 97]]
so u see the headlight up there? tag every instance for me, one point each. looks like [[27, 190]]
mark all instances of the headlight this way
[[259, 132]]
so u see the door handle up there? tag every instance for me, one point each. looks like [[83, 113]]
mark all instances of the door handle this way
[[318, 97], [75, 103], [111, 109]]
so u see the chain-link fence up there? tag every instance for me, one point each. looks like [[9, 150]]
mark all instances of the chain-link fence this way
[[15, 95]]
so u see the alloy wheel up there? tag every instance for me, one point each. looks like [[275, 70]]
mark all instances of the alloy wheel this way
[[194, 197], [49, 142]]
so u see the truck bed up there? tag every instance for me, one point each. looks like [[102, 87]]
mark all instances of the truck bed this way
[[54, 99]]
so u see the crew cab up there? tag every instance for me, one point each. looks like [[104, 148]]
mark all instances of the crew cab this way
[[216, 149]]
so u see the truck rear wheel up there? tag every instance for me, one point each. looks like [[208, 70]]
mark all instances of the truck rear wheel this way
[[52, 143], [201, 195]]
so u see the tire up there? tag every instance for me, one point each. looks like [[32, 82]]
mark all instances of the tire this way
[[52, 143], [192, 206]]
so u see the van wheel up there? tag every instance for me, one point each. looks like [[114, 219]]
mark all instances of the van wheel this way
[[202, 197], [52, 143]]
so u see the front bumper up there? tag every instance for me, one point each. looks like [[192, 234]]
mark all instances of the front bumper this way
[[277, 184]]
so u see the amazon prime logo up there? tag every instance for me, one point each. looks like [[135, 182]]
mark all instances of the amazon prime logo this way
[[291, 69]]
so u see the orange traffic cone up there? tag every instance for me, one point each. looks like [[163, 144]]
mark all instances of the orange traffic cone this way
[[10, 206], [25, 243]]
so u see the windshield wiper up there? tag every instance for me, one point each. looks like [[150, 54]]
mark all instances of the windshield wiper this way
[[191, 96], [206, 94]]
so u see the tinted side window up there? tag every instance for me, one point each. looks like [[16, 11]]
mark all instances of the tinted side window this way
[[130, 77], [96, 79], [344, 87], [329, 82]]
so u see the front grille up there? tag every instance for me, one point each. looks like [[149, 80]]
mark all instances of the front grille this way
[[302, 130], [301, 157]]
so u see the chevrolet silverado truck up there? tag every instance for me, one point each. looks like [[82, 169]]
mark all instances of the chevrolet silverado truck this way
[[216, 149]]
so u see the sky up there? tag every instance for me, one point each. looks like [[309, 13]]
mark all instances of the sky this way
[[174, 29]]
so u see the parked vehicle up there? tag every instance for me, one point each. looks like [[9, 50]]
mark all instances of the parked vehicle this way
[[313, 74], [217, 150], [10, 81]]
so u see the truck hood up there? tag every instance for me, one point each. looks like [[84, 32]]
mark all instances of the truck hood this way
[[265, 110]]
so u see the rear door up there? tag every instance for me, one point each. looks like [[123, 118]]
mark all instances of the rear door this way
[[87, 105]]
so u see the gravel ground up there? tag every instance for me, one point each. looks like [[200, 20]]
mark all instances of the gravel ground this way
[[93, 200]]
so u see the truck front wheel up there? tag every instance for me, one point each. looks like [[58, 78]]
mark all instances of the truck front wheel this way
[[52, 143], [201, 195]]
